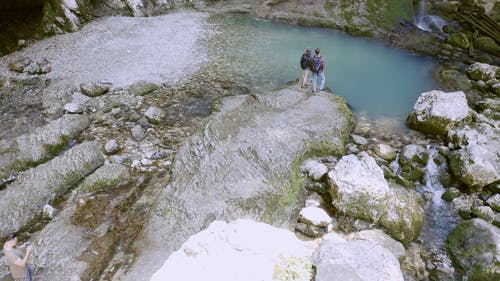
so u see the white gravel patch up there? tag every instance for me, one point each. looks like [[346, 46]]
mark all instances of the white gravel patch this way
[[122, 50]]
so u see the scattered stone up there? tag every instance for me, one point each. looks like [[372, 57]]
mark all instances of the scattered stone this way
[[359, 260], [146, 162], [359, 140], [312, 203], [138, 133], [310, 230], [48, 212], [314, 216], [40, 66], [75, 108], [314, 169], [112, 146], [142, 88], [484, 212], [155, 115], [94, 89], [475, 247], [135, 164], [385, 151], [21, 43], [494, 202], [436, 111]]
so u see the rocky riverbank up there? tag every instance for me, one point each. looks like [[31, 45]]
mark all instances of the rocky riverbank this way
[[112, 183]]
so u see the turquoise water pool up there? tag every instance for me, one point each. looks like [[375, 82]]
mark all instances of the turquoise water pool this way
[[377, 80]]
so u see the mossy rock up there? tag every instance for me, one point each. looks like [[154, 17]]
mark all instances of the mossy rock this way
[[106, 177], [459, 40], [405, 215], [141, 88], [487, 44], [473, 246], [451, 194]]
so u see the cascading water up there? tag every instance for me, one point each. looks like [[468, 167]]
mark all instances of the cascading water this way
[[430, 23], [440, 220]]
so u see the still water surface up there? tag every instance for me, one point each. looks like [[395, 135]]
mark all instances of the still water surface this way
[[377, 80]]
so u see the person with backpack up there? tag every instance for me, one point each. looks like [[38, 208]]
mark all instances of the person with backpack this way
[[317, 67], [304, 64]]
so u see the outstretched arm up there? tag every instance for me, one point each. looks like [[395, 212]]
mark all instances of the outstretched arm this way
[[22, 262]]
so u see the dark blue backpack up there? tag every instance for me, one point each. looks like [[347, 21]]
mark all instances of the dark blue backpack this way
[[315, 65], [305, 61]]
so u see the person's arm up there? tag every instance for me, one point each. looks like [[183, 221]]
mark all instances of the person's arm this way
[[22, 262]]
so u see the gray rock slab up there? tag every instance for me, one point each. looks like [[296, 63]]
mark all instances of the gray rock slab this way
[[25, 198], [38, 146], [241, 165]]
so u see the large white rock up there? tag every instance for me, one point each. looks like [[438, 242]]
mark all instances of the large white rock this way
[[358, 187], [482, 71], [436, 111], [238, 251], [475, 162], [355, 260]]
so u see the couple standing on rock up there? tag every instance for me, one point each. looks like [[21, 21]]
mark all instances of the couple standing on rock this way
[[16, 260], [316, 64]]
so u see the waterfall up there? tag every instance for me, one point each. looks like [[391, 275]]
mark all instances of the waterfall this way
[[430, 23]]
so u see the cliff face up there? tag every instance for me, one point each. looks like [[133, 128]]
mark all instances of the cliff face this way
[[362, 17]]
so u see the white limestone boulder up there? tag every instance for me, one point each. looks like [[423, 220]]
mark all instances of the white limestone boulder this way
[[242, 250], [435, 112]]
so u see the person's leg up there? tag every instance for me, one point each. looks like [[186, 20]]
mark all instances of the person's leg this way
[[304, 77], [315, 76], [322, 81]]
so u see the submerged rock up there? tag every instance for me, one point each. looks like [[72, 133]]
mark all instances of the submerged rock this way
[[475, 247], [436, 111], [24, 199]]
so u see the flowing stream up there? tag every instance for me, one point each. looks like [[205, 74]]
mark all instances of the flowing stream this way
[[440, 220]]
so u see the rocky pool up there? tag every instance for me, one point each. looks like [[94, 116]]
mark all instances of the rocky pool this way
[[377, 80]]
